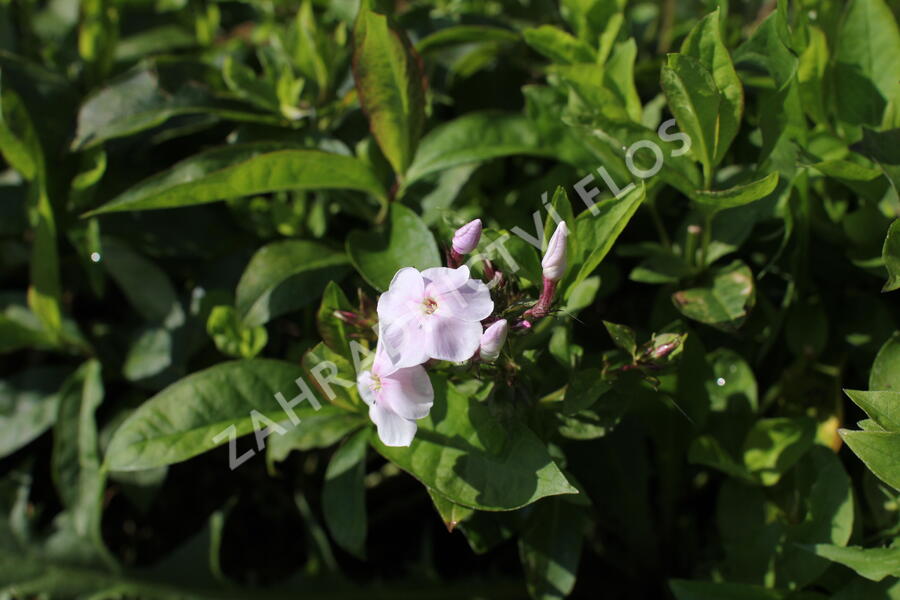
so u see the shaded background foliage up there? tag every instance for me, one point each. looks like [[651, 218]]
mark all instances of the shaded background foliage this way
[[191, 189]]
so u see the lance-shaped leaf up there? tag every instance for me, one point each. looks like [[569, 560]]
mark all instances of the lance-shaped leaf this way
[[891, 254], [28, 405], [885, 373], [768, 50], [879, 450], [138, 101], [452, 514], [883, 407], [205, 410], [558, 45], [597, 231], [476, 137], [714, 201], [344, 494], [403, 241], [871, 563], [694, 100], [550, 548], [723, 298], [456, 35], [391, 87], [867, 65], [284, 276], [464, 453], [245, 170], [20, 146], [704, 43]]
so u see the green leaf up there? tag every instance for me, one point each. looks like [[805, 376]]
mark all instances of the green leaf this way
[[452, 514], [879, 450], [597, 232], [871, 563], [344, 494], [28, 406], [321, 359], [722, 300], [768, 50], [695, 101], [147, 287], [559, 46], [462, 452], [138, 101], [403, 241], [245, 170], [332, 329], [623, 337], [589, 18], [76, 454], [205, 410], [763, 532], [154, 40], [475, 137], [232, 337], [811, 75], [891, 254], [550, 548], [883, 407], [19, 327], [775, 445], [594, 422], [706, 450], [885, 374], [511, 254], [705, 44], [150, 354], [75, 434], [464, 34], [21, 147], [391, 87], [18, 142], [325, 428], [714, 201], [867, 61], [703, 590], [618, 76], [284, 276]]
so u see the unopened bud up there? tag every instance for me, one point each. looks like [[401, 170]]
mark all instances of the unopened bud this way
[[467, 237], [554, 262], [492, 340]]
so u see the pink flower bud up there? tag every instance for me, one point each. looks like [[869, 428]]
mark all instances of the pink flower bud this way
[[554, 262], [492, 340], [467, 237]]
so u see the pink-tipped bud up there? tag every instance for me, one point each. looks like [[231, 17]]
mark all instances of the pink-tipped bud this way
[[492, 340], [554, 262], [467, 237]]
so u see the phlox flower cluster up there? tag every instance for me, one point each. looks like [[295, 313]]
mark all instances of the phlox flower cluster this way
[[433, 315]]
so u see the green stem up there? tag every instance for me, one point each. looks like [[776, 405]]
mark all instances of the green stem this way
[[658, 223], [706, 238]]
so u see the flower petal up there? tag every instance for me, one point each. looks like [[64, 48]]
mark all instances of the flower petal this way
[[452, 339], [408, 393], [471, 302], [439, 280], [393, 429], [403, 297], [364, 385], [403, 345]]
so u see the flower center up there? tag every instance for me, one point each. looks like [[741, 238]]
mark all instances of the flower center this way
[[429, 306], [375, 386]]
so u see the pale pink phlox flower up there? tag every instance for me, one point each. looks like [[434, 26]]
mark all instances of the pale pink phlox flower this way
[[397, 397], [435, 314]]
